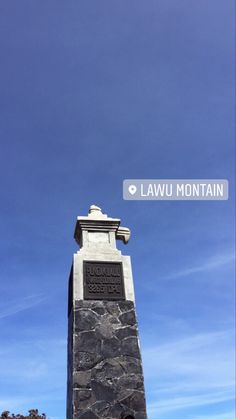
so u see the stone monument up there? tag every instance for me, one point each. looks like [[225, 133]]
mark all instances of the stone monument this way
[[105, 378]]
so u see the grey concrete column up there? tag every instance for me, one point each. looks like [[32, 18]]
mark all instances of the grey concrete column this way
[[105, 377]]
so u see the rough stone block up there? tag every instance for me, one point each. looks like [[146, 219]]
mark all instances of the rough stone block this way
[[105, 362]]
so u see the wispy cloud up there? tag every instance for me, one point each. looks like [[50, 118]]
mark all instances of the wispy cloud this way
[[32, 360], [15, 306], [175, 403], [33, 375], [190, 372], [13, 402], [227, 415], [210, 264], [22, 404]]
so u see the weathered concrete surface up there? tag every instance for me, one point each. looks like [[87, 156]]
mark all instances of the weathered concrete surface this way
[[105, 378]]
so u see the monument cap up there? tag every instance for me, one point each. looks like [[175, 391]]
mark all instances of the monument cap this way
[[96, 222]]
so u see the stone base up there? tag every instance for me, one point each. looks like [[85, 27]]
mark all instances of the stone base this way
[[105, 378]]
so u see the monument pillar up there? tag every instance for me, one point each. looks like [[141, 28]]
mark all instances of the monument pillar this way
[[105, 377]]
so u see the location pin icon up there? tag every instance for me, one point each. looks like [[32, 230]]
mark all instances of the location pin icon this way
[[132, 189]]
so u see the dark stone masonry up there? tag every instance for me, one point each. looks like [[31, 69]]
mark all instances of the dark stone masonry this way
[[104, 365]]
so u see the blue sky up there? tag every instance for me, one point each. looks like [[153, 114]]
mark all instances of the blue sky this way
[[93, 93]]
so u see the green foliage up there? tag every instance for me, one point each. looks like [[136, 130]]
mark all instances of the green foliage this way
[[33, 414]]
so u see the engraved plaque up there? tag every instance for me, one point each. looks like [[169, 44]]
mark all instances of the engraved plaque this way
[[103, 281]]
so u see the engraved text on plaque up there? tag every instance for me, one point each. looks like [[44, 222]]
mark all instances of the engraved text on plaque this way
[[103, 281]]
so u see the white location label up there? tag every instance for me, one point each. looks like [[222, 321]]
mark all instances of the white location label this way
[[132, 189]]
